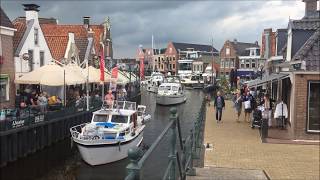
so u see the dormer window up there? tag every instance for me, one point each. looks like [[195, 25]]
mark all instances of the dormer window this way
[[36, 36]]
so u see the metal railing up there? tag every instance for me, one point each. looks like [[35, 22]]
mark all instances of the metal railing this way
[[181, 156]]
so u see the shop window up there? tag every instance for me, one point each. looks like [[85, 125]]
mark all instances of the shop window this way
[[313, 123], [4, 88]]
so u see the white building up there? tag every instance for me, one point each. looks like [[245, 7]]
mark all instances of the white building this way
[[29, 40]]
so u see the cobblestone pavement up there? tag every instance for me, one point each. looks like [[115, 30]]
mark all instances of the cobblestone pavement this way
[[236, 145]]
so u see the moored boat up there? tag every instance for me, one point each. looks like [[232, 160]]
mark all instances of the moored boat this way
[[171, 92], [111, 132]]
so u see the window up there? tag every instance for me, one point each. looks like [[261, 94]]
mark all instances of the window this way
[[251, 52], [222, 63], [170, 65], [253, 63], [227, 51], [41, 58], [173, 66], [36, 36], [174, 58], [247, 63], [226, 64], [231, 63], [159, 59], [4, 88], [313, 124], [30, 61]]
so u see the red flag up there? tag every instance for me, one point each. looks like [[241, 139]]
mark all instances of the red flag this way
[[114, 72], [102, 65], [142, 68]]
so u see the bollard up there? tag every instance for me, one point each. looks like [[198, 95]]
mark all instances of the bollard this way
[[133, 169]]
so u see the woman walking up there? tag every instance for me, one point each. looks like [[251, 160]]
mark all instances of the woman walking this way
[[248, 106], [237, 100]]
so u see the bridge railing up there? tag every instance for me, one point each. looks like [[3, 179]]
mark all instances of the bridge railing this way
[[181, 155]]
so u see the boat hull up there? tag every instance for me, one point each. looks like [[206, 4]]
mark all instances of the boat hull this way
[[107, 153], [171, 100]]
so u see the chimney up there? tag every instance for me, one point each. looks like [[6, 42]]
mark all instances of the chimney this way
[[31, 11], [86, 21], [310, 8]]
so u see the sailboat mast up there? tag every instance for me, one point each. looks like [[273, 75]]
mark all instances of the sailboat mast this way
[[152, 54]]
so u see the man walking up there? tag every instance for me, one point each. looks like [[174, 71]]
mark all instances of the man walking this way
[[219, 105]]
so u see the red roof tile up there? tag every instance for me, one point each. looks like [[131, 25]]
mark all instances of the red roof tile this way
[[21, 27]]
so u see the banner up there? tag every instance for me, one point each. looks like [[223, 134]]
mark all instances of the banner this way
[[142, 68], [102, 65]]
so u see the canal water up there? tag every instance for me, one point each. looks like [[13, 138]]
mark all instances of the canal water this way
[[62, 161]]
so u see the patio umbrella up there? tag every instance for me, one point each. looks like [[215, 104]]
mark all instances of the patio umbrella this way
[[51, 75]]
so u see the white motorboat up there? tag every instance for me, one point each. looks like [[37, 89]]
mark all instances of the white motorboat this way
[[154, 82], [111, 132], [171, 92], [194, 81]]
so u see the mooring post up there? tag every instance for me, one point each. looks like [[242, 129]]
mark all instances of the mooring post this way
[[173, 141], [133, 169]]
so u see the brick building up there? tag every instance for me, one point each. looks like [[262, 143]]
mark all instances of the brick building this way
[[295, 79], [7, 68], [239, 55]]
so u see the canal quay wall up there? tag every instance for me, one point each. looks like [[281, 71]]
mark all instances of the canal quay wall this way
[[29, 133], [23, 136]]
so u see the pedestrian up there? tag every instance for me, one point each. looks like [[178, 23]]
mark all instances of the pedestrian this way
[[267, 104], [248, 106], [219, 104], [237, 100], [109, 98]]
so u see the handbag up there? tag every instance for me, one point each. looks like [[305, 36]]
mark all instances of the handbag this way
[[247, 104]]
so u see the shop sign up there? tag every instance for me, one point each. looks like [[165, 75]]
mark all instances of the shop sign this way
[[39, 118], [17, 123]]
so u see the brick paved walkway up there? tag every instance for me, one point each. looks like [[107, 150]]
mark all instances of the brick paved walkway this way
[[236, 145]]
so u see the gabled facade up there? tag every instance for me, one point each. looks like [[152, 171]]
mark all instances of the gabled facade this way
[[7, 70], [241, 57], [30, 47]]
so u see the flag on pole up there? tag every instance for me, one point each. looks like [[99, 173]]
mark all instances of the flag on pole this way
[[102, 65], [141, 59]]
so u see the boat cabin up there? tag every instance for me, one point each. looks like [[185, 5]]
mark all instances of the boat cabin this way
[[170, 88]]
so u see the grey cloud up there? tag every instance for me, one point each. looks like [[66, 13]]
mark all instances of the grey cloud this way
[[133, 22]]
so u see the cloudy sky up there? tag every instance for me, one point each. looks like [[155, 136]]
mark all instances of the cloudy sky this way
[[192, 21]]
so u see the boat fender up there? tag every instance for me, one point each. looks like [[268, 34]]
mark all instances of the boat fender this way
[[95, 137]]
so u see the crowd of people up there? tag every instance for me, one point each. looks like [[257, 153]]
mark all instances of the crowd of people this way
[[247, 100]]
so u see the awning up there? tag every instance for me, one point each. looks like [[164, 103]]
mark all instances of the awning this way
[[4, 76], [265, 79], [245, 73]]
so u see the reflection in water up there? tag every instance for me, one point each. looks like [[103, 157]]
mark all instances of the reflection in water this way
[[62, 161]]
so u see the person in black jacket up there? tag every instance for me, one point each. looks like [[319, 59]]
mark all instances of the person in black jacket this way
[[219, 104]]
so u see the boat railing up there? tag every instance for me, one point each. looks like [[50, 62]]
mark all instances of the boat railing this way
[[182, 152], [93, 133], [124, 105]]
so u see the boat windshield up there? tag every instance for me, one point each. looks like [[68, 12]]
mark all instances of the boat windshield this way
[[119, 119], [101, 118], [164, 88], [175, 88]]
